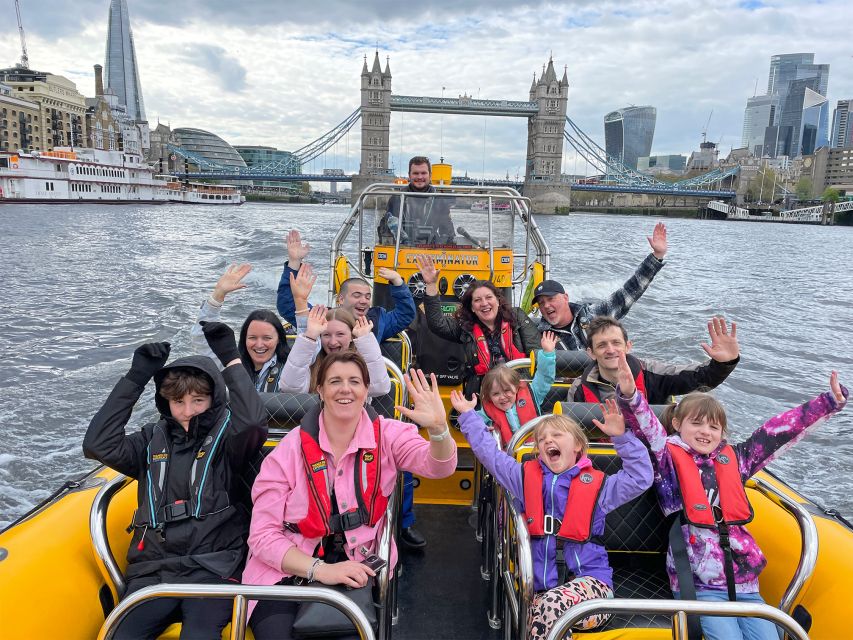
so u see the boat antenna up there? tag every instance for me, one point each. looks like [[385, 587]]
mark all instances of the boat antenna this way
[[25, 61]]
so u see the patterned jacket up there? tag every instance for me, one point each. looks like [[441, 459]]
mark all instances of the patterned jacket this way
[[756, 452], [616, 305]]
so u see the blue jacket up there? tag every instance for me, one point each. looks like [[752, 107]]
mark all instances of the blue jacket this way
[[588, 559], [386, 324]]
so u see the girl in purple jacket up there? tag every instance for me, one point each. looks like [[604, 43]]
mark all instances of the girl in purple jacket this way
[[561, 445], [695, 440]]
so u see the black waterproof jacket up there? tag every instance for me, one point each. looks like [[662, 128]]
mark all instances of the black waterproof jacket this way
[[525, 336], [196, 548]]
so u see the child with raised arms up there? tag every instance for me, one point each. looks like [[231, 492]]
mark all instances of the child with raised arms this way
[[565, 501], [699, 474], [509, 401]]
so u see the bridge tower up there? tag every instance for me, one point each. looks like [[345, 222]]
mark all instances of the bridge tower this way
[[545, 141], [375, 118]]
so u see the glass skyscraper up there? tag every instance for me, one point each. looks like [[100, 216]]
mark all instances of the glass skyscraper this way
[[773, 124], [628, 133], [842, 126], [120, 70]]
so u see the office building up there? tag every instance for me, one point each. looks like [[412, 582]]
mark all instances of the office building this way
[[842, 127], [628, 134]]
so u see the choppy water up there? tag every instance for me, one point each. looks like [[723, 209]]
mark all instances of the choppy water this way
[[84, 285]]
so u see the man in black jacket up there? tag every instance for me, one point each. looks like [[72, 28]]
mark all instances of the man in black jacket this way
[[193, 468], [426, 217], [657, 381]]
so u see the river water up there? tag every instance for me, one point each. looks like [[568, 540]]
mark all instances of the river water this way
[[84, 285]]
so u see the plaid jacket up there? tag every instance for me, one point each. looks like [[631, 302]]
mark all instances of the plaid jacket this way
[[617, 304]]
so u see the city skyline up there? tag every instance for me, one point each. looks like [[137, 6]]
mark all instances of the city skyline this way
[[297, 77]]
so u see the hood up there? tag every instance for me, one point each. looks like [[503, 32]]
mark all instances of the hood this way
[[427, 189], [206, 420]]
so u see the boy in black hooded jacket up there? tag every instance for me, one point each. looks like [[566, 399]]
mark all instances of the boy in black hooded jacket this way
[[193, 470]]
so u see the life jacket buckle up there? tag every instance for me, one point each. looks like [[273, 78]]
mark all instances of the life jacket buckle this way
[[551, 525], [177, 511], [347, 521]]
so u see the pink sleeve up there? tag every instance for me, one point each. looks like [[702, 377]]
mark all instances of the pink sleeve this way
[[268, 541], [411, 452]]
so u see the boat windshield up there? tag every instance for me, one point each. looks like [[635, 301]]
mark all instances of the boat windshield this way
[[445, 220]]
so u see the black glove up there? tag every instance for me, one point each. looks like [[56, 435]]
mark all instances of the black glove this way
[[220, 338], [148, 360]]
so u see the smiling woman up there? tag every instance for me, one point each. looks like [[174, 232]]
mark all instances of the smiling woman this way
[[313, 544]]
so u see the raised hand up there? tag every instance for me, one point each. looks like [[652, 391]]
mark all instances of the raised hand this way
[[231, 280], [836, 389], [390, 275], [362, 327], [316, 322], [429, 270], [351, 573], [296, 249], [614, 423], [148, 359], [428, 411], [724, 345], [220, 338], [658, 241], [457, 399], [625, 378], [548, 341], [301, 285]]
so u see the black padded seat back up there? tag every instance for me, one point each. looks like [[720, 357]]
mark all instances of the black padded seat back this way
[[584, 412], [557, 393], [396, 349], [285, 410], [570, 364], [384, 405], [638, 525]]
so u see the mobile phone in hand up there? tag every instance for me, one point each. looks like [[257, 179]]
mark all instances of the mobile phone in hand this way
[[374, 562]]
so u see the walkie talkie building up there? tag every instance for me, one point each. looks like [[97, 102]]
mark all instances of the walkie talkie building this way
[[628, 133]]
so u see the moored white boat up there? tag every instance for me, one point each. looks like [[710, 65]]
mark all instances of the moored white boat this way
[[68, 175]]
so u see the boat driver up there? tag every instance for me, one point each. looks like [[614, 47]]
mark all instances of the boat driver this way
[[427, 218]]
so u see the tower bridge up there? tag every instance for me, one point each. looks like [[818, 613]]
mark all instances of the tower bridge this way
[[548, 128]]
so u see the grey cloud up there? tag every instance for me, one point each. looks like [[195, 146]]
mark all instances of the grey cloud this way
[[228, 72]]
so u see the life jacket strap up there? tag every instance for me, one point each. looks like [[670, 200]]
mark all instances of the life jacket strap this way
[[726, 546], [551, 525]]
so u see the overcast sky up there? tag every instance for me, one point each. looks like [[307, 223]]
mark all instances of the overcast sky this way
[[267, 72]]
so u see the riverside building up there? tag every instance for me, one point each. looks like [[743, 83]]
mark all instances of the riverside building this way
[[629, 132]]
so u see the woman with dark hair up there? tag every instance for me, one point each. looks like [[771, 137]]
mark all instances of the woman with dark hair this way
[[490, 330], [342, 461], [263, 342]]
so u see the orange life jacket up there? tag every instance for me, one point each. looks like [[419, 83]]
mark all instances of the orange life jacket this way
[[319, 521], [734, 504], [484, 356], [589, 391], [583, 496], [525, 406]]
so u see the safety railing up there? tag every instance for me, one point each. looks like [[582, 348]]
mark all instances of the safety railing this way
[[241, 595], [104, 557], [679, 610]]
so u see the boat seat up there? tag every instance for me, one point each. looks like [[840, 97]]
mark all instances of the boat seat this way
[[570, 364]]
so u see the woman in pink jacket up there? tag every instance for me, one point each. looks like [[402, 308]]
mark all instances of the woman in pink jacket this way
[[319, 527]]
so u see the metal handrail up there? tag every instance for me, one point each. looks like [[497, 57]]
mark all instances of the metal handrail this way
[[241, 594], [104, 557], [395, 372], [678, 609], [524, 433], [808, 536]]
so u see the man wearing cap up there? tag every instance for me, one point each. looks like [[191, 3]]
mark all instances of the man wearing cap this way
[[569, 320]]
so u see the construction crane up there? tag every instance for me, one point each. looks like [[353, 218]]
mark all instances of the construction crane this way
[[705, 130], [25, 61]]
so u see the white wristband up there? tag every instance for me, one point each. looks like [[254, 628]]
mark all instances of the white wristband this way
[[441, 436]]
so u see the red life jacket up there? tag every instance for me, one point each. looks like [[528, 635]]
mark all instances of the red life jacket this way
[[484, 356], [525, 406], [590, 392], [733, 501], [583, 496], [319, 522]]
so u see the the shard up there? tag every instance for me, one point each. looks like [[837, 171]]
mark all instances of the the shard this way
[[122, 75]]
